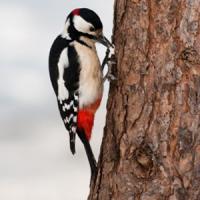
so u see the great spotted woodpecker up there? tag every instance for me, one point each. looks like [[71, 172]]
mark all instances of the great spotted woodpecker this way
[[76, 75]]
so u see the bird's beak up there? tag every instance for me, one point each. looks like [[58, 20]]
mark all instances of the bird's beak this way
[[103, 40]]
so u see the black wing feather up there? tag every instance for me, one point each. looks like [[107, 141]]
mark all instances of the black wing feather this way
[[69, 110], [69, 107]]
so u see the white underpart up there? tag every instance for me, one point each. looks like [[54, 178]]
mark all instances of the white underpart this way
[[81, 25], [90, 82], [65, 33], [63, 63]]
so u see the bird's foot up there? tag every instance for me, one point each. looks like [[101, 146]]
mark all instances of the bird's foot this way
[[109, 77], [111, 62]]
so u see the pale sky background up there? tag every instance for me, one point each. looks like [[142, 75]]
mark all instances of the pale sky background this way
[[35, 160]]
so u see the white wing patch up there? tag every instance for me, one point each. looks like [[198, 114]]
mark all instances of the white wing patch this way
[[62, 64], [69, 110]]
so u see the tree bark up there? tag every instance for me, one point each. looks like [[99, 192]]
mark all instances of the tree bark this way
[[151, 143]]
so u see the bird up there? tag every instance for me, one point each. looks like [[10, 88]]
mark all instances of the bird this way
[[76, 75]]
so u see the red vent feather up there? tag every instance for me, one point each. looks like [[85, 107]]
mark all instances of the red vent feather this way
[[86, 118]]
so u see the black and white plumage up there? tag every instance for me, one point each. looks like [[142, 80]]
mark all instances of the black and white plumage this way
[[76, 75], [64, 74]]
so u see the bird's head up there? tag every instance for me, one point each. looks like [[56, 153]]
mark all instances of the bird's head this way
[[83, 22]]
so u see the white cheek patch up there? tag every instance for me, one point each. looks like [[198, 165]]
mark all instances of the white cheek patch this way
[[81, 25]]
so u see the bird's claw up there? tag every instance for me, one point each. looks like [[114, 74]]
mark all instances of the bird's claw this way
[[110, 60], [109, 77]]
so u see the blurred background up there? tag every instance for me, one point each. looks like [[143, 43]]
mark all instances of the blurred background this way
[[35, 160]]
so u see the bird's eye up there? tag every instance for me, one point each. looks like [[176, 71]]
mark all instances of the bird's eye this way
[[92, 29]]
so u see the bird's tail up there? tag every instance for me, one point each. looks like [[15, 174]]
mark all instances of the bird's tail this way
[[72, 137], [90, 155]]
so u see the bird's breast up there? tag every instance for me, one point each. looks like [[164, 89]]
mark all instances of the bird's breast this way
[[90, 81]]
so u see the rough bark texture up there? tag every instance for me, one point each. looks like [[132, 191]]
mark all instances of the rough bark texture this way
[[151, 144]]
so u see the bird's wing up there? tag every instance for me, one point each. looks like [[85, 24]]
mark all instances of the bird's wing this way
[[64, 74], [69, 109]]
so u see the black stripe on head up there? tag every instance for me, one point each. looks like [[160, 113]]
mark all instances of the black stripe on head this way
[[91, 17]]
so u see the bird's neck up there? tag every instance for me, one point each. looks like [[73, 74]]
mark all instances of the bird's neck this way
[[70, 33], [87, 42]]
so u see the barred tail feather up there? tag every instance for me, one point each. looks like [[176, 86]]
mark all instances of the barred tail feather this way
[[68, 110]]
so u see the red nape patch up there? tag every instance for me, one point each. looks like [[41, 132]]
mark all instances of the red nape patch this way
[[85, 122], [76, 11]]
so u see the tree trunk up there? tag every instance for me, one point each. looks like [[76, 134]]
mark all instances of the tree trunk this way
[[151, 143]]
